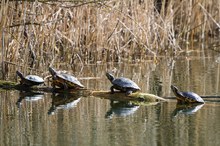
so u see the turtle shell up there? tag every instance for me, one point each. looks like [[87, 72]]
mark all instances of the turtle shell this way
[[69, 80], [63, 80], [34, 78], [191, 97], [30, 80], [125, 84]]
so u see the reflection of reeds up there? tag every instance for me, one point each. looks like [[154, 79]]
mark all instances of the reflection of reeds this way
[[100, 30]]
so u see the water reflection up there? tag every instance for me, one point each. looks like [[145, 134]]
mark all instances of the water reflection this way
[[121, 109], [187, 109], [130, 124], [28, 96], [63, 101]]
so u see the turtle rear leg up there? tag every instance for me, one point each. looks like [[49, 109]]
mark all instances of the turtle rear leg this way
[[128, 92], [112, 90], [65, 86]]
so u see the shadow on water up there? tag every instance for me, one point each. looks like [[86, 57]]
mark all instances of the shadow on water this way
[[131, 124], [28, 96], [121, 109], [187, 109], [63, 101]]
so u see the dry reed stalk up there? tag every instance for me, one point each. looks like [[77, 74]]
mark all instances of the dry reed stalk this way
[[3, 13], [96, 31]]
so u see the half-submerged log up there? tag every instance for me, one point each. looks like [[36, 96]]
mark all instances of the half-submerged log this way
[[118, 96], [9, 85]]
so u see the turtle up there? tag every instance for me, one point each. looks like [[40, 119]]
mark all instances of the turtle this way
[[186, 97], [123, 84], [64, 80], [30, 80]]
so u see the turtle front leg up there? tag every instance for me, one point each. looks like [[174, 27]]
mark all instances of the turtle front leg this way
[[22, 83], [112, 90], [53, 85]]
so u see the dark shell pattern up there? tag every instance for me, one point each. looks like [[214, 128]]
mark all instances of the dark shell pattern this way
[[125, 83], [34, 78], [192, 97], [70, 79]]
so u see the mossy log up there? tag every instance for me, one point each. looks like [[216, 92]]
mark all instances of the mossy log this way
[[9, 85], [138, 96]]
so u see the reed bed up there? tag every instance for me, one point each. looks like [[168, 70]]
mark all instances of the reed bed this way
[[36, 33]]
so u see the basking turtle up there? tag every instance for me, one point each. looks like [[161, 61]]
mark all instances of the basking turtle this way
[[30, 80], [123, 84], [65, 81], [186, 97]]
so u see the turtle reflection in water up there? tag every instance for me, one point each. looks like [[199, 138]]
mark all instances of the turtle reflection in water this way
[[123, 84], [64, 81], [29, 96], [186, 97], [63, 101], [187, 109], [121, 109], [29, 80]]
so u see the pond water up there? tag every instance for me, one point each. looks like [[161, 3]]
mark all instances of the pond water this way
[[62, 119]]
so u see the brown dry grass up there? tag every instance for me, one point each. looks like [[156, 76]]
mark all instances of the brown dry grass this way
[[94, 31]]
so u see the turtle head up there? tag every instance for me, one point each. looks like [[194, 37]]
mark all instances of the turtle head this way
[[175, 90], [52, 71], [20, 74], [110, 76]]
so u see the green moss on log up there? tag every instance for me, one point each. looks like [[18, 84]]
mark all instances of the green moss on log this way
[[138, 96], [7, 84]]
